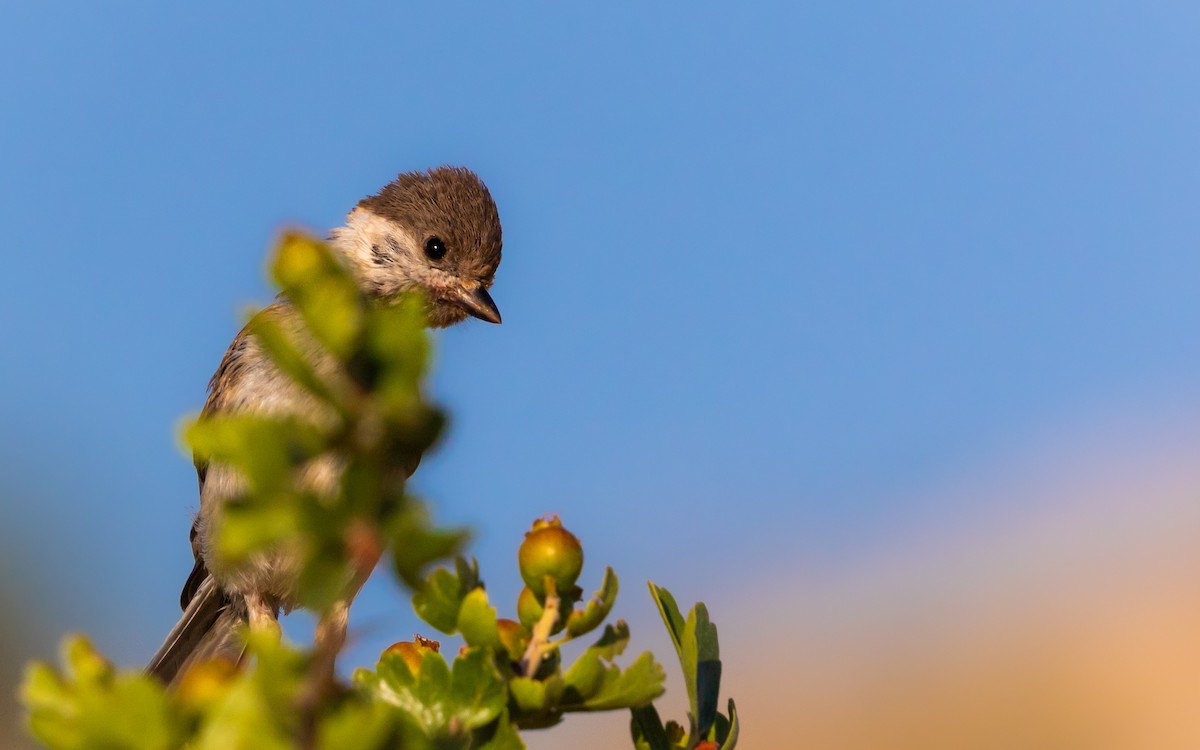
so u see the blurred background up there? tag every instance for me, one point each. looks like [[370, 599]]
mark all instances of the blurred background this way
[[873, 327]]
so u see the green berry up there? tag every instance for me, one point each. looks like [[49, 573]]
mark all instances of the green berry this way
[[551, 551]]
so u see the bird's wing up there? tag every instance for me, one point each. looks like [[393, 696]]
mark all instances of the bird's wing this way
[[199, 572], [207, 630], [227, 371]]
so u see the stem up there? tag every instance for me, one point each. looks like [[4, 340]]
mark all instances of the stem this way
[[539, 641], [364, 548]]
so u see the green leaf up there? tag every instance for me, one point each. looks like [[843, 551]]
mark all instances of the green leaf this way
[[323, 292], [535, 702], [398, 342], [529, 694], [442, 700], [90, 705], [594, 683], [265, 450], [244, 719], [477, 691], [424, 697], [584, 679], [355, 725], [365, 486], [647, 729], [247, 527], [438, 600], [325, 578], [84, 663], [584, 621], [702, 668], [477, 621], [677, 735], [499, 735], [434, 674], [408, 434], [612, 641], [729, 742], [696, 643], [636, 686], [270, 333], [671, 617], [45, 692], [416, 545], [468, 573], [587, 676]]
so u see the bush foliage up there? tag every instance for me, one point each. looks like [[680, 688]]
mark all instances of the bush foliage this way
[[372, 416]]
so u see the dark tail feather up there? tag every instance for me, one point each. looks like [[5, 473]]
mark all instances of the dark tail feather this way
[[207, 630]]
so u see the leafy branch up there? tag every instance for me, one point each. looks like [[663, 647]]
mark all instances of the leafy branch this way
[[363, 366]]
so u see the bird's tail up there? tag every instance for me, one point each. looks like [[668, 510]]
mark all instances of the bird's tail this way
[[208, 630]]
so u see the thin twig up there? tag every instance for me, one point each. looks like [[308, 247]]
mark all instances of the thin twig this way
[[539, 641]]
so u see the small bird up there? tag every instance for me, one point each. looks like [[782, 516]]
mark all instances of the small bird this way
[[437, 232]]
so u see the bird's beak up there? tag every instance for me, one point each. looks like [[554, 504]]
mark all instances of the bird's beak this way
[[477, 302]]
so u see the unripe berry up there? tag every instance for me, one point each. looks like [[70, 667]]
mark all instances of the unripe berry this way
[[413, 653], [550, 550]]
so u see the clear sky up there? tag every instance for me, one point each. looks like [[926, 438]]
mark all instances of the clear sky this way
[[770, 270]]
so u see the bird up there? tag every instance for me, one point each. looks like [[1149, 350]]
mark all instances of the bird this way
[[435, 231]]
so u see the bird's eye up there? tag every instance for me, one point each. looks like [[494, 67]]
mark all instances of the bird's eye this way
[[435, 248]]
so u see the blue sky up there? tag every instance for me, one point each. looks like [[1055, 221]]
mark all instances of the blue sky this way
[[768, 272]]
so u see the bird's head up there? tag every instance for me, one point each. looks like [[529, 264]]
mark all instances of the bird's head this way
[[437, 232]]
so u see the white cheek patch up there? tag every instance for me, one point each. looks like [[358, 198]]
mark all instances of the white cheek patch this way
[[377, 251], [386, 258]]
